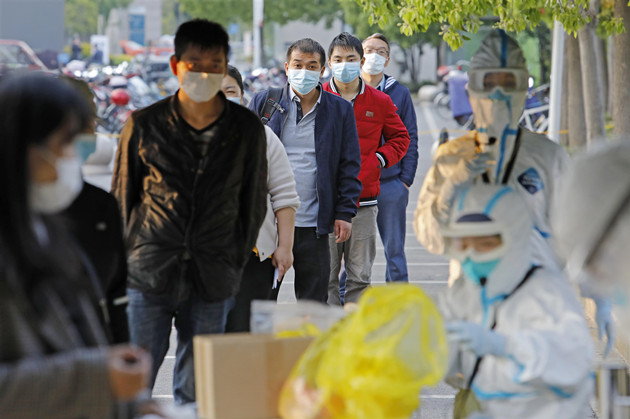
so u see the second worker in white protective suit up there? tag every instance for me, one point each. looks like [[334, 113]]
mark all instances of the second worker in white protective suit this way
[[499, 152], [522, 323]]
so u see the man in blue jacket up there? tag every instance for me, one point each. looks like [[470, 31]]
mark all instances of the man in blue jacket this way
[[320, 137], [395, 180]]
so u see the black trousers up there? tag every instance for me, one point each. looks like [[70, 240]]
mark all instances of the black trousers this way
[[255, 285], [311, 261]]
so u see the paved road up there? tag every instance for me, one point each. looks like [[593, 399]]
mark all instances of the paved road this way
[[425, 270]]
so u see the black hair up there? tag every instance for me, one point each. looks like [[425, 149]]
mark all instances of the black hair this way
[[33, 106], [308, 46], [236, 75], [380, 36], [203, 34], [346, 41]]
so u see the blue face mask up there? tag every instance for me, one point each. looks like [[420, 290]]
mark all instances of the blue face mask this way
[[346, 72], [85, 144], [236, 99], [303, 81], [474, 271]]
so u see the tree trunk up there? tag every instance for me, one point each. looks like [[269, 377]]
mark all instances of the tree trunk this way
[[544, 52], [603, 71], [577, 125], [591, 84], [563, 138], [610, 47], [413, 70], [621, 74]]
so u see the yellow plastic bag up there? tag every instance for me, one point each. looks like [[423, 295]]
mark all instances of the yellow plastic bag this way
[[373, 363]]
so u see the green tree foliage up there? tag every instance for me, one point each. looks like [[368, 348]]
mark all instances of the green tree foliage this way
[[459, 16], [278, 11], [411, 45], [81, 17], [105, 6]]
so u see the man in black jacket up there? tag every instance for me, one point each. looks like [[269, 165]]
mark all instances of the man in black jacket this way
[[190, 179]]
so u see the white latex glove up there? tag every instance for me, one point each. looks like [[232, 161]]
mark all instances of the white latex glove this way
[[605, 323], [472, 337]]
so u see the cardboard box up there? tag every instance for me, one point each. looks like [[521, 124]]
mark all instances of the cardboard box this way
[[239, 376]]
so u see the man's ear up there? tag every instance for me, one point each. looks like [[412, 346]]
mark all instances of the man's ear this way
[[173, 64]]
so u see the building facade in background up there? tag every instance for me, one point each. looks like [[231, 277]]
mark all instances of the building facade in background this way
[[39, 23], [141, 23]]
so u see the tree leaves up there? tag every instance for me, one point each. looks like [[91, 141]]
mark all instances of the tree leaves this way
[[457, 17]]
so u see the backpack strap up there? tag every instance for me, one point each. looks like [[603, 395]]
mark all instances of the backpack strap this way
[[272, 104]]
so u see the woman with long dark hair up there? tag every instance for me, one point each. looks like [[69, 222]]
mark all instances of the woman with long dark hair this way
[[54, 361]]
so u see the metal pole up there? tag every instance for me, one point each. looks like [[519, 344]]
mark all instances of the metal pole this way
[[555, 94], [259, 6]]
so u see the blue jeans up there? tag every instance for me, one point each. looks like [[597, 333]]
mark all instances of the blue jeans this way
[[392, 226], [150, 322]]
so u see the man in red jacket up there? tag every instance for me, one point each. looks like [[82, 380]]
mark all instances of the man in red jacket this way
[[384, 140]]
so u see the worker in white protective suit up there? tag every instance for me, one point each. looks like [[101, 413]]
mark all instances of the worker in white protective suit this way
[[523, 321], [499, 152], [590, 218]]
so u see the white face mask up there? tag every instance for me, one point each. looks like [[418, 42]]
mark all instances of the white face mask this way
[[374, 64], [201, 87], [56, 196]]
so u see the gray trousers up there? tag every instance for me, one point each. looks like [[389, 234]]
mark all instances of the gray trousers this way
[[358, 253]]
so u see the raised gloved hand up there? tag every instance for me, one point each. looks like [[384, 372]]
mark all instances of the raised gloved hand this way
[[462, 168], [479, 164], [472, 337], [605, 324]]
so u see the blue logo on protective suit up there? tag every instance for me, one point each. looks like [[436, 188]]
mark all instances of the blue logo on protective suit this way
[[531, 181]]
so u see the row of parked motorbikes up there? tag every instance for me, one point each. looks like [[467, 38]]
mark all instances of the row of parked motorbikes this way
[[120, 90]]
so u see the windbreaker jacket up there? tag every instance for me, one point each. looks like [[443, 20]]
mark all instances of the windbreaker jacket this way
[[187, 217], [336, 151], [405, 169], [376, 118]]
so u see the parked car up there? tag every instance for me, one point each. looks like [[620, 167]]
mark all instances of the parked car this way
[[17, 55]]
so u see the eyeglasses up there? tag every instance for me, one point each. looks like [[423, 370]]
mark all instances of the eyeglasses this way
[[383, 52]]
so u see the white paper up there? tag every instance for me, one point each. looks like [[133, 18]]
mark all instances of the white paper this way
[[275, 279]]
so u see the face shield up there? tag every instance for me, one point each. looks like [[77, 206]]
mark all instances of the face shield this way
[[486, 80], [497, 88], [475, 236], [497, 98], [489, 234]]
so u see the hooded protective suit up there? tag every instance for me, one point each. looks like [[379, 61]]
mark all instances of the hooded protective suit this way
[[590, 218], [499, 152], [543, 370]]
